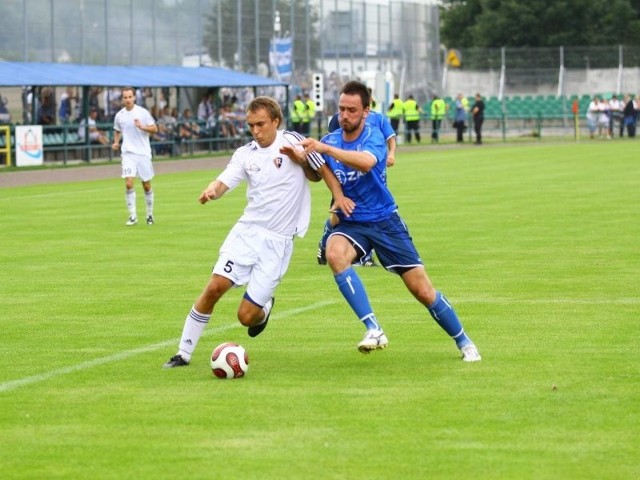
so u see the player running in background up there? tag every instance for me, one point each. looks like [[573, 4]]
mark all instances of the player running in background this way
[[134, 124], [356, 154], [258, 249]]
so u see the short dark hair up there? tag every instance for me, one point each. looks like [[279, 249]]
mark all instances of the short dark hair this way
[[355, 87]]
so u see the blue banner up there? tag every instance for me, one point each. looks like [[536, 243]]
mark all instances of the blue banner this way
[[281, 58]]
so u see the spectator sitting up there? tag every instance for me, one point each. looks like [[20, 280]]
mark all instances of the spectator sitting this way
[[47, 110], [95, 135], [226, 122], [166, 131], [189, 129]]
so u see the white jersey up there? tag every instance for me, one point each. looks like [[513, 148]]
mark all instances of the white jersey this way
[[134, 140], [278, 194]]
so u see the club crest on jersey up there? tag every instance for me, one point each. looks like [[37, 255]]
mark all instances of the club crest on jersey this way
[[277, 162]]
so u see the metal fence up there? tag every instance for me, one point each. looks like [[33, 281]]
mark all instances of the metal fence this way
[[560, 71], [345, 38]]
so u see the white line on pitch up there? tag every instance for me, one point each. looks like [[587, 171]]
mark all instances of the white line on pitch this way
[[21, 382]]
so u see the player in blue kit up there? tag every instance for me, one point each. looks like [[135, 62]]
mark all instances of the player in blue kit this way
[[381, 122], [356, 154]]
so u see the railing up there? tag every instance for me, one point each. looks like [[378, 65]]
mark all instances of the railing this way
[[5, 143], [62, 143]]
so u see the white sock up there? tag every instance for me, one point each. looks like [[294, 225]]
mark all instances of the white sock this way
[[193, 327], [130, 198], [266, 309], [148, 198]]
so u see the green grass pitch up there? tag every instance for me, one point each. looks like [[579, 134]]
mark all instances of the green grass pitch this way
[[537, 246]]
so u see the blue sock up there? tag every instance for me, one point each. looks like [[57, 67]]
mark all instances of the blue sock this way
[[328, 229], [354, 293], [444, 314]]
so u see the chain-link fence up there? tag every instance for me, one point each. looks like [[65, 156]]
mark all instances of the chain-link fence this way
[[344, 39], [561, 71]]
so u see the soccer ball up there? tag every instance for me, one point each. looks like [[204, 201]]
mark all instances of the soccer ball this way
[[229, 360]]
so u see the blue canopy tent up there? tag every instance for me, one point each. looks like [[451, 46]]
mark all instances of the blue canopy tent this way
[[18, 74]]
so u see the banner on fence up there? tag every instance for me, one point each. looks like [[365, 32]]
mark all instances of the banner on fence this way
[[281, 57], [29, 145]]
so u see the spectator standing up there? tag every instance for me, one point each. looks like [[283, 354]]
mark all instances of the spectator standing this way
[[205, 108], [298, 114], [616, 106], [477, 111], [604, 113], [630, 113], [412, 112], [65, 109], [310, 113], [438, 111], [460, 117], [395, 112], [592, 116], [134, 124], [112, 98]]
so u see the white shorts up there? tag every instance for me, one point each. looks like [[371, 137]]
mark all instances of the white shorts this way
[[136, 165], [255, 257]]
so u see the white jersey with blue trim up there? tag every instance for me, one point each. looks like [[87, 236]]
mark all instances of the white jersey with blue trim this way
[[278, 193], [369, 191]]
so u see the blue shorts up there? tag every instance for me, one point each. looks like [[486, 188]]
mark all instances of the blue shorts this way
[[390, 238]]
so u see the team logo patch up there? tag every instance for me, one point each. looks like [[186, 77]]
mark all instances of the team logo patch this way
[[277, 162]]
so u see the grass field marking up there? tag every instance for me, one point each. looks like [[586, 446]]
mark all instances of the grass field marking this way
[[116, 357]]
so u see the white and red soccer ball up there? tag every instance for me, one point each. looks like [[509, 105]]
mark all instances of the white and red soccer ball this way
[[229, 360]]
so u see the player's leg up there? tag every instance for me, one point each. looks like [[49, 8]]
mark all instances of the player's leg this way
[[340, 256], [396, 252], [322, 244], [198, 318], [255, 316], [149, 201], [273, 255], [331, 222], [129, 173], [441, 310], [367, 260], [145, 171]]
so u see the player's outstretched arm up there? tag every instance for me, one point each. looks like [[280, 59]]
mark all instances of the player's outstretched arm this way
[[213, 192], [360, 160]]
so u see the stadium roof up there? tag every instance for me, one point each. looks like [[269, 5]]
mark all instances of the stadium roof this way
[[16, 74]]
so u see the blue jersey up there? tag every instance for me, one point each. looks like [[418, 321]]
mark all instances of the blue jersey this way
[[369, 191]]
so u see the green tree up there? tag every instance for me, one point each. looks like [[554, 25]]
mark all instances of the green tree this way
[[539, 23], [256, 22]]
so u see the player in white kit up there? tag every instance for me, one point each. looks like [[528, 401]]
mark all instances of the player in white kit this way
[[258, 248], [134, 124]]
